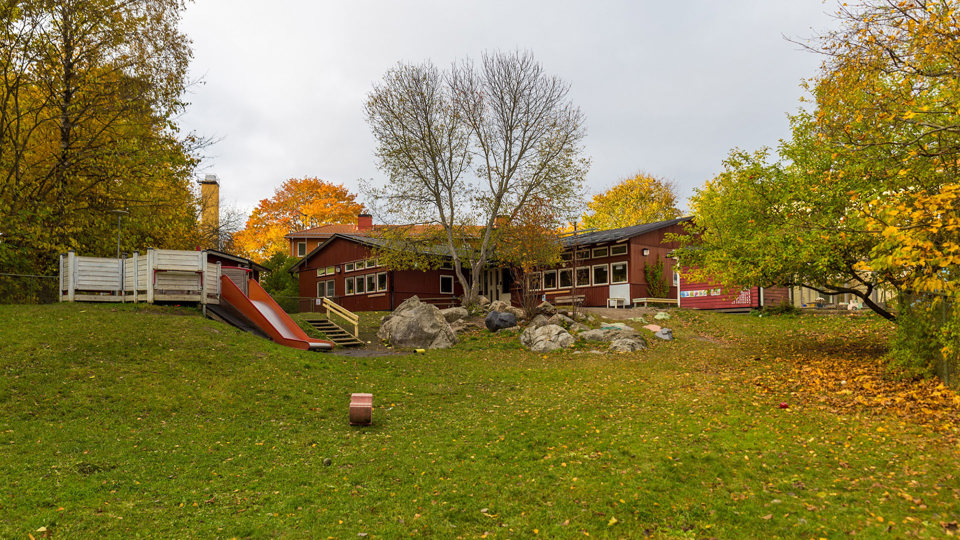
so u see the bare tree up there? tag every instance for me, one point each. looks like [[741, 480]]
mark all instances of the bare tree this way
[[466, 149]]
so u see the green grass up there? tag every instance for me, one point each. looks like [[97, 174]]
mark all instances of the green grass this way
[[125, 421]]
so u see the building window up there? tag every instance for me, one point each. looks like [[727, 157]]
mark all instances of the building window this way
[[446, 265], [566, 256], [583, 254], [326, 288], [600, 252], [446, 284], [348, 283], [331, 270], [676, 279], [348, 267], [321, 272], [618, 272], [601, 274], [583, 276], [565, 277], [371, 263], [301, 249], [619, 249], [359, 287], [371, 283], [382, 281], [550, 279]]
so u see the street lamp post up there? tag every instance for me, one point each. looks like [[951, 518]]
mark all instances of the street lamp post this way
[[119, 214]]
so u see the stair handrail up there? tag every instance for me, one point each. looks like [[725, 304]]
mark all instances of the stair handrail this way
[[343, 313]]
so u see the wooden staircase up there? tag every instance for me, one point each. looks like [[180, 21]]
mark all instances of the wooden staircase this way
[[334, 333]]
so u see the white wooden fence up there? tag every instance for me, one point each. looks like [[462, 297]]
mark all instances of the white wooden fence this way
[[161, 275]]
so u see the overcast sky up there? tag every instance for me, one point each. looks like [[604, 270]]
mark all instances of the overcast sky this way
[[666, 87]]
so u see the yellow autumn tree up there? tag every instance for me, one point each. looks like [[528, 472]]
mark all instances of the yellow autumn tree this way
[[642, 198], [298, 204]]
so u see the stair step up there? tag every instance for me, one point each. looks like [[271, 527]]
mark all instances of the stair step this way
[[334, 333]]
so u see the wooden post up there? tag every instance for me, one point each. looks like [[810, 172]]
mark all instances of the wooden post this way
[[151, 263], [136, 275], [72, 275]]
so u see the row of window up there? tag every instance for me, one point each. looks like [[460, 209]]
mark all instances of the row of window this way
[[348, 267], [586, 276], [365, 284], [370, 283], [596, 253]]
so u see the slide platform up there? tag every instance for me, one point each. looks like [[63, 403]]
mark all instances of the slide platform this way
[[261, 310]]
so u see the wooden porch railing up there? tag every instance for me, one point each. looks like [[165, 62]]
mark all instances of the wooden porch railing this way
[[343, 313]]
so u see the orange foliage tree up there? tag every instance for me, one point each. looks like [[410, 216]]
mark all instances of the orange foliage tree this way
[[298, 204]]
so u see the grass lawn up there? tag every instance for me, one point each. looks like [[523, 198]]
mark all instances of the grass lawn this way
[[126, 421]]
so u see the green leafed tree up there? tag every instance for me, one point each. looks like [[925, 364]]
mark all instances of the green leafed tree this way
[[465, 147], [639, 199]]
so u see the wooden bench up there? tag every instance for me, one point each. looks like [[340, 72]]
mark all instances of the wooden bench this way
[[647, 301], [567, 300]]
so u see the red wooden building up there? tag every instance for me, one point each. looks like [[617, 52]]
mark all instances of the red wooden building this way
[[344, 269], [599, 267], [711, 295]]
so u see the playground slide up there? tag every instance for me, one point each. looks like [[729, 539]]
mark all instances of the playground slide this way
[[264, 312]]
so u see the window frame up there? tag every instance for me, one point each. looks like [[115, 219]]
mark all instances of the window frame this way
[[371, 278], [600, 252], [348, 287], [331, 288], [569, 272], [360, 285], [386, 282], [371, 263], [446, 278], [543, 280], [348, 267], [626, 272], [302, 249], [593, 274], [618, 247], [583, 254], [577, 276]]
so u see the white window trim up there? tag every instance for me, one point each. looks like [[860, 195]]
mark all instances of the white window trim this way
[[348, 289], [626, 273], [359, 279], [452, 287], [593, 273], [543, 280], [618, 246], [386, 281], [570, 271], [332, 285], [589, 277], [374, 278], [581, 256], [301, 252], [593, 252], [348, 267]]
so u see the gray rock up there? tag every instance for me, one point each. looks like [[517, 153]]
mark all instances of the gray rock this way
[[577, 327], [546, 338], [417, 325], [562, 320], [510, 330], [616, 326], [538, 321], [517, 312], [628, 345], [499, 305], [483, 302], [608, 334], [454, 314], [665, 334], [662, 316], [546, 308], [497, 320]]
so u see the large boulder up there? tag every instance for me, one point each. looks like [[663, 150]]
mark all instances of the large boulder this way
[[498, 305], [636, 343], [417, 325], [546, 338], [662, 316], [665, 334], [546, 308], [454, 314], [498, 320]]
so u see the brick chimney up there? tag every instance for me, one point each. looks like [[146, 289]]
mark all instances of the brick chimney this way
[[210, 211], [364, 222]]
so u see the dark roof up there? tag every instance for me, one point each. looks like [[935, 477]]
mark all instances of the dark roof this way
[[239, 259], [615, 235]]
